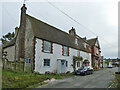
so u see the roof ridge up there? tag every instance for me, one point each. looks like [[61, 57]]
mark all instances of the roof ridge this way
[[91, 39], [48, 24]]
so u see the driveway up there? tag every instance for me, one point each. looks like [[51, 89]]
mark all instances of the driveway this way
[[99, 79]]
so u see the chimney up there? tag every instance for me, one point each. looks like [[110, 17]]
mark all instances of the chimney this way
[[85, 38], [16, 31], [23, 14], [72, 31]]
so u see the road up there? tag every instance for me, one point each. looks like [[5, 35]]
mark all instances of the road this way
[[99, 79]]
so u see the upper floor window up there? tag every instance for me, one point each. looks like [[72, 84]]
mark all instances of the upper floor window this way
[[65, 51], [47, 47], [97, 51], [84, 44], [76, 41]]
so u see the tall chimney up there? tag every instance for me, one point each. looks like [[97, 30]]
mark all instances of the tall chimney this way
[[72, 31], [23, 14], [21, 36]]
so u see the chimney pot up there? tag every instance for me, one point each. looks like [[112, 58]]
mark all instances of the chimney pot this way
[[72, 31]]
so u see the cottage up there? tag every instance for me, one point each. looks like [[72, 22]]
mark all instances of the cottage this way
[[46, 48]]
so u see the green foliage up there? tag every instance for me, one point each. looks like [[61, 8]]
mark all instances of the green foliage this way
[[76, 58], [12, 79], [116, 82], [8, 37]]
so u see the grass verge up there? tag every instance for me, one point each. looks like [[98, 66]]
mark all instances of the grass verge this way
[[12, 79], [116, 82]]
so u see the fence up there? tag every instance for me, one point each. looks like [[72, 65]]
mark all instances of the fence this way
[[14, 65]]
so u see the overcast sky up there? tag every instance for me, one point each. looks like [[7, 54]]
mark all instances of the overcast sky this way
[[98, 16]]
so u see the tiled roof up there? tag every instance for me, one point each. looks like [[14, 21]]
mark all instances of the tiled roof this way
[[11, 43], [45, 31]]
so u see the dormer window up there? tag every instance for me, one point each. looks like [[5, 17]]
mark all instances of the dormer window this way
[[84, 44], [76, 41]]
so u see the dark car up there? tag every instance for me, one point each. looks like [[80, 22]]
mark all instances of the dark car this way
[[84, 71]]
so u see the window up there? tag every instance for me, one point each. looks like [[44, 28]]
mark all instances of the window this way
[[66, 63], [84, 44], [47, 47], [65, 51], [76, 41], [78, 64], [46, 62], [27, 60], [97, 50]]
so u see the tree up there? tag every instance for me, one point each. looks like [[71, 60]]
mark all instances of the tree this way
[[76, 58], [7, 38]]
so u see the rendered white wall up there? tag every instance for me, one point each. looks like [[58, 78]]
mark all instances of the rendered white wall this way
[[86, 56], [57, 54]]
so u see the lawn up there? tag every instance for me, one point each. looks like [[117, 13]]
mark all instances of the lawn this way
[[23, 80]]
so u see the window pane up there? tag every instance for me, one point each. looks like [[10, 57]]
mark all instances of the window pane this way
[[66, 63], [78, 64], [65, 51], [47, 46], [76, 41], [46, 62]]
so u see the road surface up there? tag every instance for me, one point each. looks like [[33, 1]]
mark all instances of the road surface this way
[[99, 79]]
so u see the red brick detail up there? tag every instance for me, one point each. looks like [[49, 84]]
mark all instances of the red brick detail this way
[[63, 50], [42, 45], [34, 42], [68, 51], [51, 47]]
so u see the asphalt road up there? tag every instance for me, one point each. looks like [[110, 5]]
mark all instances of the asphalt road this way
[[99, 79]]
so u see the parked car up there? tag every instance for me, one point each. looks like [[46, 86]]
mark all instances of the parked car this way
[[110, 65], [84, 71]]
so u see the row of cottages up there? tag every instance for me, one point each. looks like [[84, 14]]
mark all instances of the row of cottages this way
[[46, 48]]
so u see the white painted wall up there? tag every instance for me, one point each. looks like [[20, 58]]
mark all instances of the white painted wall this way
[[57, 54], [86, 56], [10, 53]]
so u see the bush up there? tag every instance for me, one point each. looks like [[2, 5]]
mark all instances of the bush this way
[[37, 73], [47, 72], [68, 72]]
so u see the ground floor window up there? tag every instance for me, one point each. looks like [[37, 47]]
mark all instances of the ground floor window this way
[[46, 62], [78, 64]]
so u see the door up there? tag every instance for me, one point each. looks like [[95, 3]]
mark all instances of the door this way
[[63, 66]]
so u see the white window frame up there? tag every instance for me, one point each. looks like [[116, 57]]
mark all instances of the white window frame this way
[[65, 49], [46, 63], [76, 41]]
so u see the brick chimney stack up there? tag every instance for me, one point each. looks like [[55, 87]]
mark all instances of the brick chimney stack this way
[[23, 14], [21, 34], [72, 31]]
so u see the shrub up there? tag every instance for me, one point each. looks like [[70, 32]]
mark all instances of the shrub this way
[[47, 72], [68, 72], [37, 73]]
